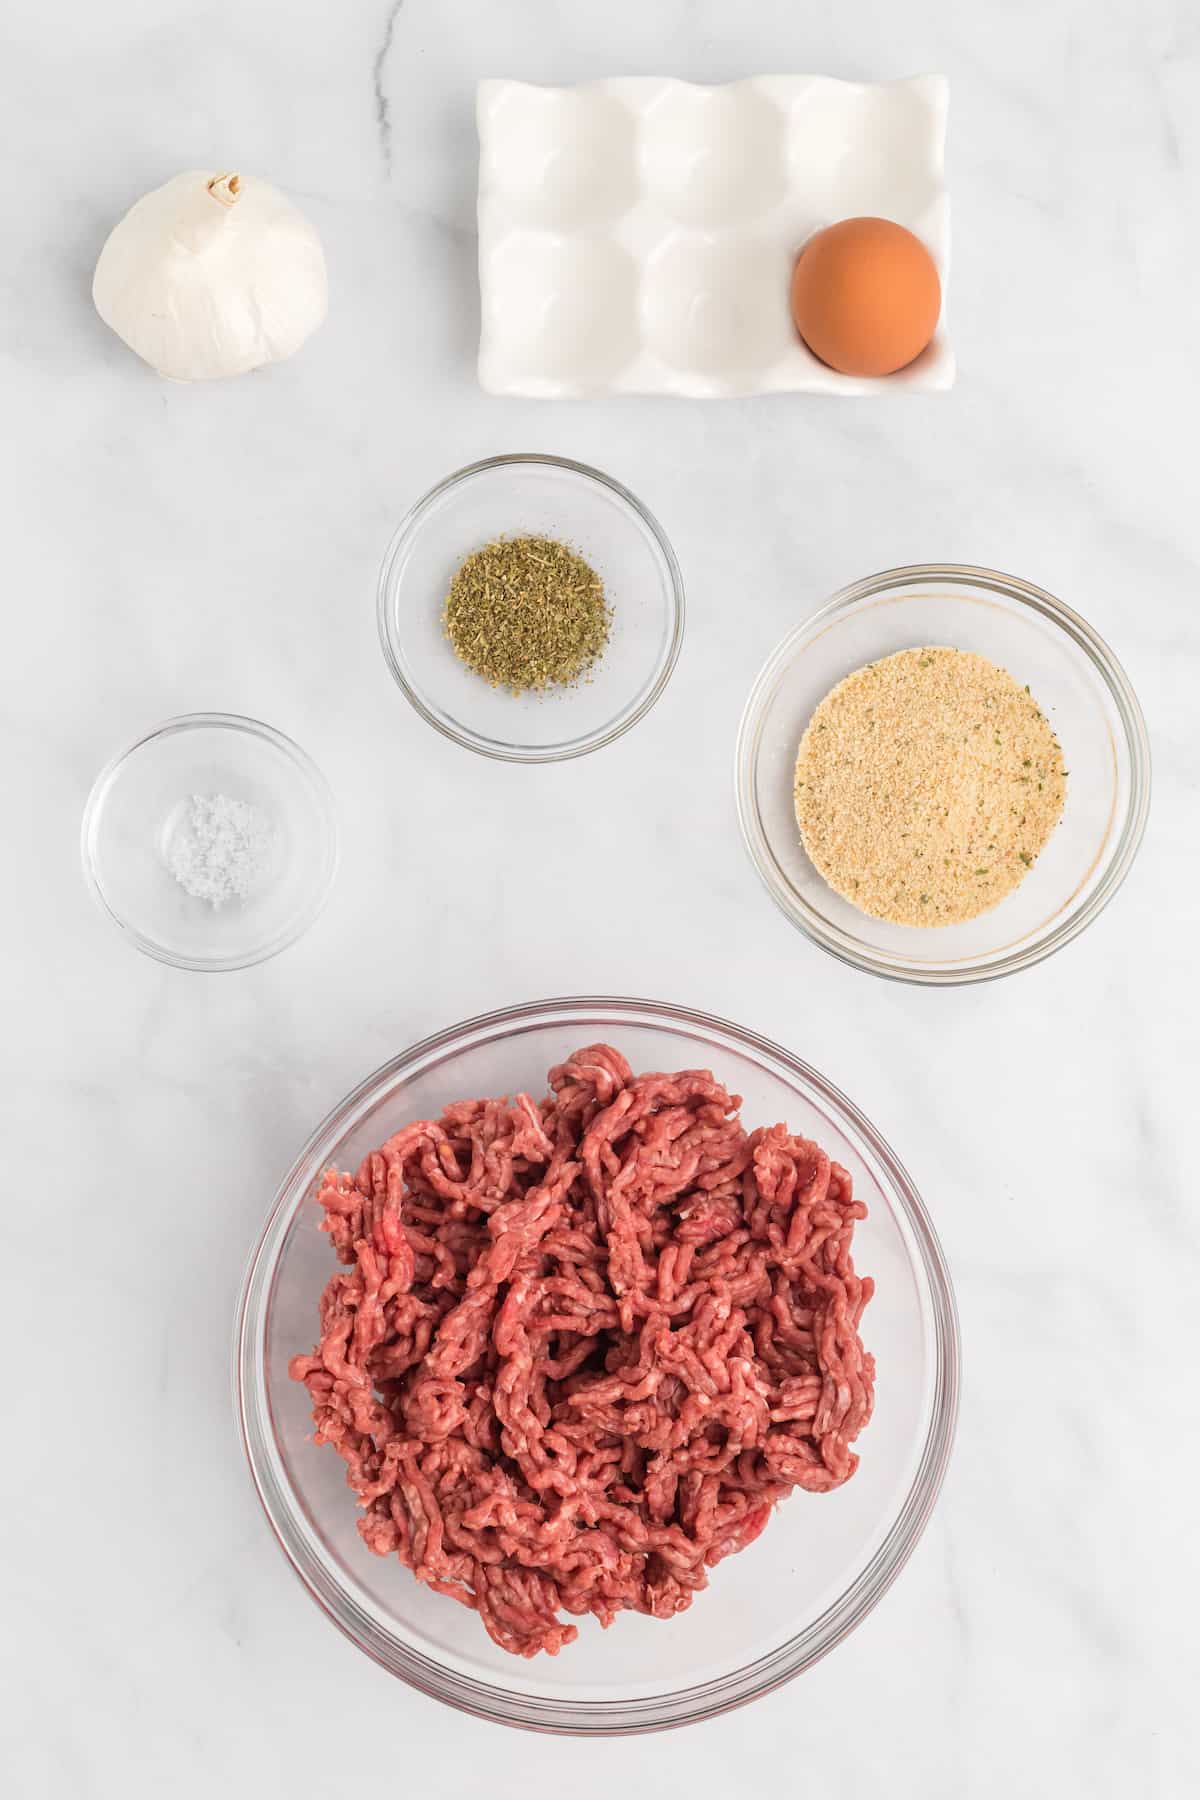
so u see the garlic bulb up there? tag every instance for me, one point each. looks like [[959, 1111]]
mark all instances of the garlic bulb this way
[[212, 275]]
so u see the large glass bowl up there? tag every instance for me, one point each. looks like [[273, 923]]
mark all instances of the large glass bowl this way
[[822, 1562], [538, 496], [1084, 693]]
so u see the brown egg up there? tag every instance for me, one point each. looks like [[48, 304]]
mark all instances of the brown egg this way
[[866, 296]]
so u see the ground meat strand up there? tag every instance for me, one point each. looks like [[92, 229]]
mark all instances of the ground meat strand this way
[[579, 1350]]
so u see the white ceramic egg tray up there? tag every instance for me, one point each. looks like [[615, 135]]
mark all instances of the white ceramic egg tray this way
[[638, 236]]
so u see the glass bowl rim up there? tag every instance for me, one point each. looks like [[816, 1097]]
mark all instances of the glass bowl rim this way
[[221, 721], [608, 1717], [1133, 824], [565, 749]]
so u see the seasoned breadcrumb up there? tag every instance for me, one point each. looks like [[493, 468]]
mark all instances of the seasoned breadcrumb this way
[[926, 786]]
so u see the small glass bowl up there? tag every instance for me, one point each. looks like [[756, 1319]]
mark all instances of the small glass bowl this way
[[138, 803], [1078, 683], [544, 496], [822, 1563]]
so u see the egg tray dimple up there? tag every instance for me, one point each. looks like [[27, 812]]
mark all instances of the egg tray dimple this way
[[637, 236]]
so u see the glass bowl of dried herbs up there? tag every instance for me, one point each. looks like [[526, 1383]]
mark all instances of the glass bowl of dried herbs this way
[[531, 608]]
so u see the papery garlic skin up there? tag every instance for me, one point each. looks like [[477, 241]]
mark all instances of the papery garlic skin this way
[[212, 275]]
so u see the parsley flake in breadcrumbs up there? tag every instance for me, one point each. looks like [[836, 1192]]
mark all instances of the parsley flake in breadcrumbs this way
[[926, 786]]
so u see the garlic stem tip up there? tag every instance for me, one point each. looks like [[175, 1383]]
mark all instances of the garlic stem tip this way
[[225, 188]]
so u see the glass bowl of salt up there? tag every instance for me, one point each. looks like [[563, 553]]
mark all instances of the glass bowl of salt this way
[[211, 842]]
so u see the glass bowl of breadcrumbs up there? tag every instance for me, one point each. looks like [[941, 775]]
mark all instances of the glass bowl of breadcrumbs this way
[[943, 776]]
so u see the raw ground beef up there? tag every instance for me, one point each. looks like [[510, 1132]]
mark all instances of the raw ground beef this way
[[579, 1350]]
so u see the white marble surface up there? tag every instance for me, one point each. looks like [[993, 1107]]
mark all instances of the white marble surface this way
[[168, 549]]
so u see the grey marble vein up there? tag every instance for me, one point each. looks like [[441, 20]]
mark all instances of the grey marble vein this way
[[383, 111]]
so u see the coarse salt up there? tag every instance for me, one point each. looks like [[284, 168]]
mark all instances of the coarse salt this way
[[220, 848]]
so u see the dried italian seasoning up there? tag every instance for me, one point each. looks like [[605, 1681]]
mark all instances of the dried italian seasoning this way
[[527, 613]]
